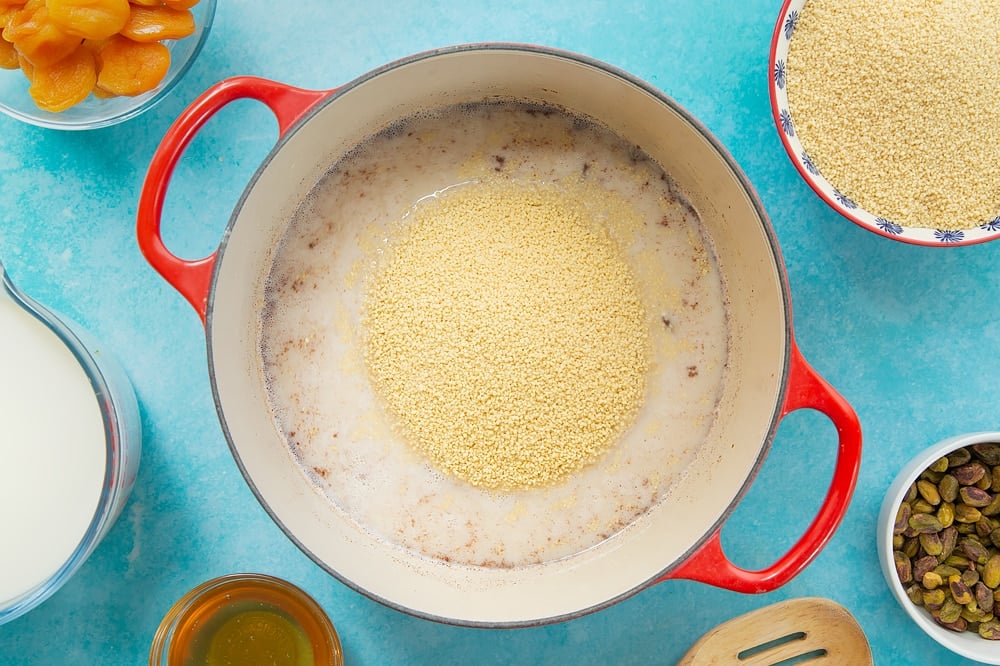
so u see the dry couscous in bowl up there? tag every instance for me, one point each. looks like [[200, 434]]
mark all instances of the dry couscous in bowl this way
[[887, 110]]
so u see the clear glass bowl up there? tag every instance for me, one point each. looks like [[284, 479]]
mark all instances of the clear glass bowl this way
[[119, 411], [93, 112], [246, 618]]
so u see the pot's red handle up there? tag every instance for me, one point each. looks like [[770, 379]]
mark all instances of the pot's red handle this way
[[806, 389], [192, 278]]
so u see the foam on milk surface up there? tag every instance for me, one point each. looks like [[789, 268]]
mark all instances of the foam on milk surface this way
[[311, 338], [52, 452]]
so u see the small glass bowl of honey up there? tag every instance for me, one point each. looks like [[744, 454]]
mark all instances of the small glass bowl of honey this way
[[246, 619]]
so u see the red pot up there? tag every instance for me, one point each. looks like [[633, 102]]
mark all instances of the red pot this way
[[766, 375]]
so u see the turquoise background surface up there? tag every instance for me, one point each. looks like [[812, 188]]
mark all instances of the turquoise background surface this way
[[908, 334]]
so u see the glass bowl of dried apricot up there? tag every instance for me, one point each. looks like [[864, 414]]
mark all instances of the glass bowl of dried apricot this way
[[84, 64]]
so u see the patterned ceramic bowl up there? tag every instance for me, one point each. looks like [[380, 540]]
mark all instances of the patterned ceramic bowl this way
[[965, 643], [93, 112], [784, 31]]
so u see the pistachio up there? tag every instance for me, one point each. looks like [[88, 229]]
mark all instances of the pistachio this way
[[948, 488], [929, 491], [958, 625], [920, 505], [995, 538], [958, 561], [931, 543], [902, 518], [916, 594], [930, 475], [984, 596], [911, 493], [990, 630], [975, 551], [926, 523], [930, 580], [972, 613], [968, 475], [934, 599], [973, 496], [990, 574], [959, 591], [922, 565], [949, 539], [983, 527], [911, 546], [970, 577], [946, 514], [904, 569], [897, 541], [941, 465], [946, 571], [950, 611], [993, 508], [986, 482], [965, 514], [959, 457], [988, 452]]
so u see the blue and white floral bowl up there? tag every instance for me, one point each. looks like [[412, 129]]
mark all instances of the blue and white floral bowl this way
[[784, 30]]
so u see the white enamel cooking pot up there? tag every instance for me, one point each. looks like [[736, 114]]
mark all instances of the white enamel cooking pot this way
[[767, 377]]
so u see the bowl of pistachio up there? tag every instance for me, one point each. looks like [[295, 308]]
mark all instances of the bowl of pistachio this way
[[939, 543]]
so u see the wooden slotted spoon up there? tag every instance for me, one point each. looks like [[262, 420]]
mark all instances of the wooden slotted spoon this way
[[803, 631]]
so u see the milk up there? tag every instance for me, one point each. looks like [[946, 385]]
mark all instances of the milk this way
[[312, 333], [52, 452]]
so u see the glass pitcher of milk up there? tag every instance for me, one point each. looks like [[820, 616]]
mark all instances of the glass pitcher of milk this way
[[70, 439]]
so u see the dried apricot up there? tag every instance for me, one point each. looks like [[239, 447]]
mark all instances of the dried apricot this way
[[8, 55], [25, 66], [15, 17], [126, 67], [6, 14], [67, 82], [37, 38], [154, 24], [180, 4], [94, 45], [91, 19]]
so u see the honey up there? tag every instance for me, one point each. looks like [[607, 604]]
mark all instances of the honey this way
[[246, 619]]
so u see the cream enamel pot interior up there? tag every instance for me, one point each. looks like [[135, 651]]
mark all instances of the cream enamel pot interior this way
[[767, 377]]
